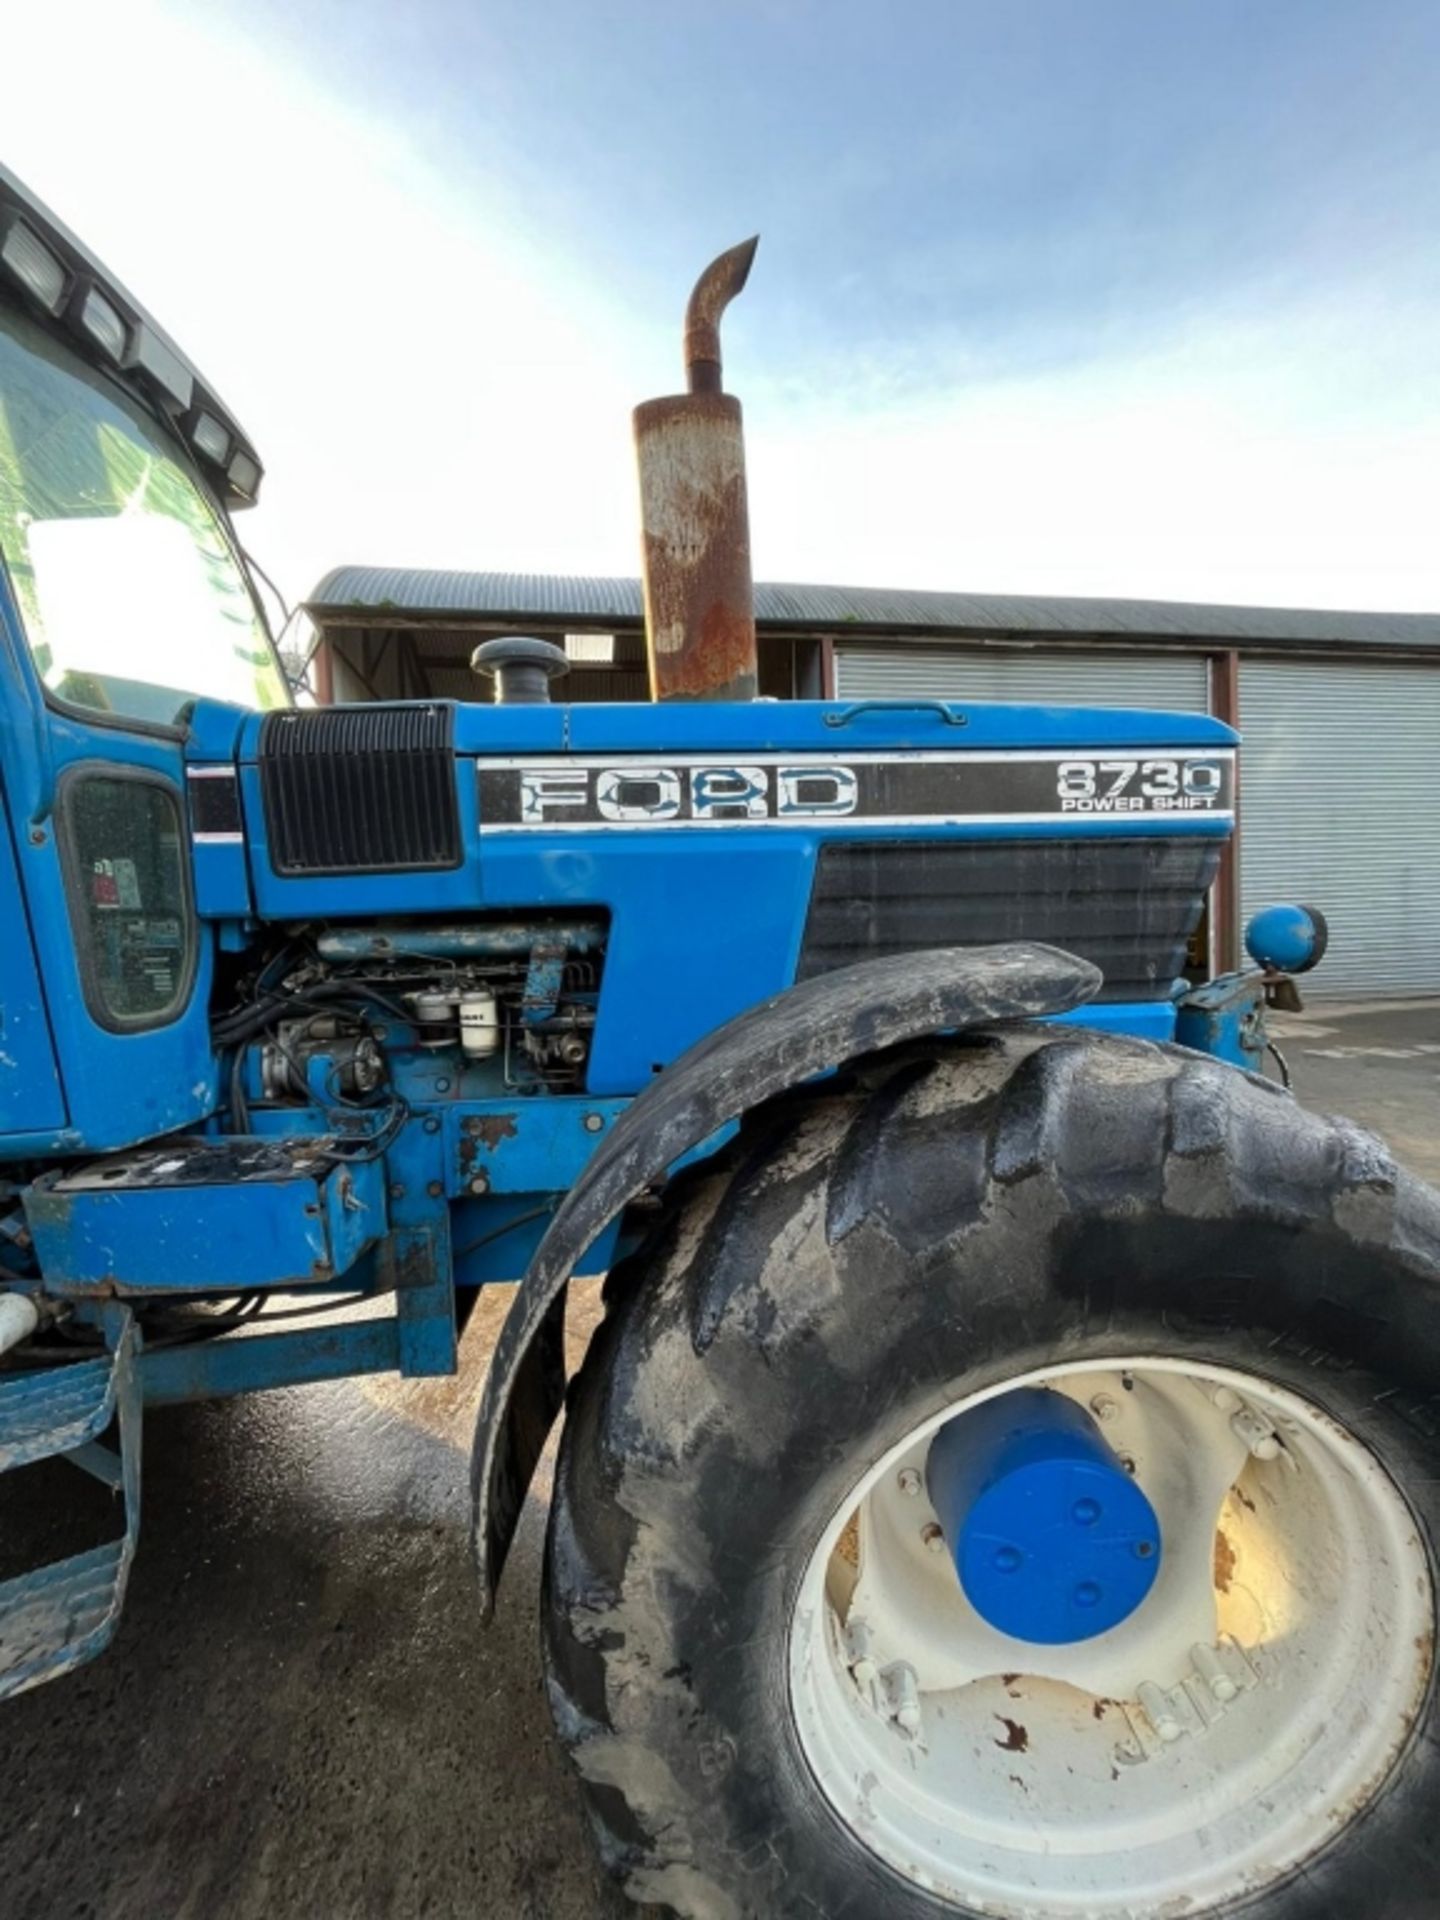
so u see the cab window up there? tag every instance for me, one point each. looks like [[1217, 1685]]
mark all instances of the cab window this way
[[131, 596], [129, 900]]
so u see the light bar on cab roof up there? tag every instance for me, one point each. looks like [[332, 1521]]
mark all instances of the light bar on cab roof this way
[[164, 366], [210, 438], [40, 272], [64, 283], [245, 475], [105, 325]]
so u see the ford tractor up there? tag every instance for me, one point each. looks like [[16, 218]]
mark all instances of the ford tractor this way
[[1006, 1478]]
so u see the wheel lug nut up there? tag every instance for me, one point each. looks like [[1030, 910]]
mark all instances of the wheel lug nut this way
[[1158, 1712], [909, 1481], [933, 1537], [1254, 1433], [1104, 1406], [1211, 1669], [903, 1692]]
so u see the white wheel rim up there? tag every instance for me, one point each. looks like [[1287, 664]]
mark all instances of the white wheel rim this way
[[1285, 1652]]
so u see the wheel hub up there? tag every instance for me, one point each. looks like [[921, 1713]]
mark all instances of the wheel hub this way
[[1219, 1731], [1052, 1540]]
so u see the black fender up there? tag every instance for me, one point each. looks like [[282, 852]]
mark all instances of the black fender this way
[[804, 1031]]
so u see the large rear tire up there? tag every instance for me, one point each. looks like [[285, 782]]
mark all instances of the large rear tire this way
[[1047, 1206]]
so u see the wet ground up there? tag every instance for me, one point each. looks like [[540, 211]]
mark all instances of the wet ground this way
[[1379, 1064], [302, 1718]]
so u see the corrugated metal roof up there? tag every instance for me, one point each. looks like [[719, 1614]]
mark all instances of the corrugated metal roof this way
[[587, 600]]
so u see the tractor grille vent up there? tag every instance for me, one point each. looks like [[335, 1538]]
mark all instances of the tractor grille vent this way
[[360, 789], [1127, 905]]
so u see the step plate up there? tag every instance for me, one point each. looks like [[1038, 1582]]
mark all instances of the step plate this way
[[52, 1412], [59, 1616]]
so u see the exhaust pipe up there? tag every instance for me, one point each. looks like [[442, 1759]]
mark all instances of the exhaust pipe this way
[[694, 518]]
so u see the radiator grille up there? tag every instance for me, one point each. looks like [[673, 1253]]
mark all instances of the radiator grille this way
[[360, 789], [1127, 905]]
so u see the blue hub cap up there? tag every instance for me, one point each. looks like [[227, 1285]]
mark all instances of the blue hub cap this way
[[1052, 1539]]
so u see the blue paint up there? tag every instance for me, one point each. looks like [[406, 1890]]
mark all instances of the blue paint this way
[[1142, 1020], [1053, 1541], [714, 919], [543, 981], [215, 1369], [222, 880], [163, 1232], [119, 1088], [524, 1146], [495, 1238], [468, 940], [30, 1093], [1286, 938], [1225, 1018], [417, 1262], [795, 725], [214, 733]]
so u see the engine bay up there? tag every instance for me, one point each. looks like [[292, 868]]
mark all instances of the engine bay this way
[[361, 1021]]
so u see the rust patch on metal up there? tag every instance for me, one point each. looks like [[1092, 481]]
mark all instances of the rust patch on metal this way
[[848, 1545], [492, 1128], [712, 294], [695, 524], [1224, 1562], [694, 515], [1017, 1738]]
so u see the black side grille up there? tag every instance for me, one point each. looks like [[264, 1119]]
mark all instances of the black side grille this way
[[360, 789], [1128, 905]]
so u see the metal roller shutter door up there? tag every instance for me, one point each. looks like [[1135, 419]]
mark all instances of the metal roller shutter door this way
[[1178, 682], [1338, 807]]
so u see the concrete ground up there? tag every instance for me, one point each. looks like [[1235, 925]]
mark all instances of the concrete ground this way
[[1378, 1064], [302, 1718]]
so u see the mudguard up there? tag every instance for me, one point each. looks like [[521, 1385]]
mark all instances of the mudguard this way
[[808, 1029]]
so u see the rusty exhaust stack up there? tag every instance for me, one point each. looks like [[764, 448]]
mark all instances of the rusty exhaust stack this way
[[694, 520]]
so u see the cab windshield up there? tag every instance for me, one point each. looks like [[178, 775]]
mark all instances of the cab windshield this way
[[131, 597]]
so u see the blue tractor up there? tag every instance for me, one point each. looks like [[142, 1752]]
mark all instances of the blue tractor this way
[[1006, 1477]]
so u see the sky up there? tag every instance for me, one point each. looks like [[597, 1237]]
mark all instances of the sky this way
[[1122, 297]]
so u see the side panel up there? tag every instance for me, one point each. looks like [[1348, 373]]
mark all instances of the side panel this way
[[30, 1094], [124, 1081], [204, 1220], [123, 1086]]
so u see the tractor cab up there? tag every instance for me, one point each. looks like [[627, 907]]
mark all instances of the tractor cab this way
[[123, 603]]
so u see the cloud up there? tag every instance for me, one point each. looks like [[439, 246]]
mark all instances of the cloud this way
[[1270, 463], [437, 375], [423, 381]]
